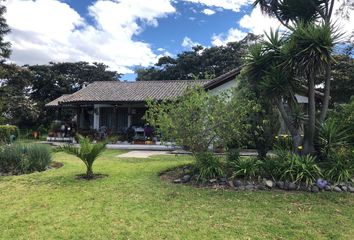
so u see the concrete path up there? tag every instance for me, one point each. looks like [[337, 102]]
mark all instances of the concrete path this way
[[142, 154]]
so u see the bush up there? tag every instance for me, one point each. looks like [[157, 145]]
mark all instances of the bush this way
[[208, 166], [246, 167], [340, 166], [20, 159], [6, 131], [302, 169], [332, 136]]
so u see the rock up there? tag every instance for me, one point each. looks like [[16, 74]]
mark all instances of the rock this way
[[337, 189], [241, 188], [231, 184], [261, 187], [351, 189], [269, 183], [342, 184], [327, 188], [223, 180], [213, 180], [321, 183], [291, 186], [186, 178], [344, 188], [249, 187], [178, 180], [280, 184], [315, 189], [238, 183]]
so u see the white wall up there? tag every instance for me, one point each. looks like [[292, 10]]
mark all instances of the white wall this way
[[226, 86]]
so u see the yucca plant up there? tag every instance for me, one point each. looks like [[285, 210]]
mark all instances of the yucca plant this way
[[246, 167], [208, 166], [302, 169], [88, 152], [332, 136], [340, 166]]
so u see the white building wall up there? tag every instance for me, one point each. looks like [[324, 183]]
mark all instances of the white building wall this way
[[224, 87]]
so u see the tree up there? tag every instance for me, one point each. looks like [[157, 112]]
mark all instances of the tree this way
[[51, 81], [200, 62], [16, 105], [198, 120], [87, 152], [342, 87], [306, 52], [5, 46]]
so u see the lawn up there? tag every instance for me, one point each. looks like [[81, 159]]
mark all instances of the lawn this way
[[133, 203]]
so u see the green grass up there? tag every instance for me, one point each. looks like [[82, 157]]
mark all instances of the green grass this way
[[132, 203]]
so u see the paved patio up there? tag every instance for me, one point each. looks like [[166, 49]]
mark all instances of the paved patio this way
[[142, 154]]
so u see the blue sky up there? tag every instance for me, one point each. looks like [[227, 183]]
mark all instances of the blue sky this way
[[125, 33]]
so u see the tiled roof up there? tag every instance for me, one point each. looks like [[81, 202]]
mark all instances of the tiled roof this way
[[55, 102], [139, 91]]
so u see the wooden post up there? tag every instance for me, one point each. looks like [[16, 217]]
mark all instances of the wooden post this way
[[114, 120]]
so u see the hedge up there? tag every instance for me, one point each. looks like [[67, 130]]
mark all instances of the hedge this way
[[6, 131]]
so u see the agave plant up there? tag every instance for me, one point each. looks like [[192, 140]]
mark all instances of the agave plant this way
[[88, 152]]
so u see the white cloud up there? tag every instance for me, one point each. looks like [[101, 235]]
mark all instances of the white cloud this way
[[50, 30], [208, 11], [188, 43], [258, 23], [232, 35], [161, 49], [233, 5]]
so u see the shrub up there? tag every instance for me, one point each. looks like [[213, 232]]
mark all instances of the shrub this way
[[272, 167], [208, 166], [246, 167], [6, 131], [340, 166], [332, 136], [39, 157], [233, 155], [11, 158], [19, 159], [301, 169]]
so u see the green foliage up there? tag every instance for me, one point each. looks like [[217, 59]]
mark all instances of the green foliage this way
[[200, 62], [302, 169], [340, 166], [343, 114], [20, 159], [199, 119], [208, 166], [275, 166], [332, 136], [6, 131], [88, 152], [246, 167], [342, 89], [5, 47], [38, 157]]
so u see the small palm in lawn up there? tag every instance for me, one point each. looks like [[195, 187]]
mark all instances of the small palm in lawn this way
[[88, 152]]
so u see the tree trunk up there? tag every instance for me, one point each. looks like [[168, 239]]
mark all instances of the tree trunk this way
[[89, 171], [327, 91], [311, 124], [295, 133]]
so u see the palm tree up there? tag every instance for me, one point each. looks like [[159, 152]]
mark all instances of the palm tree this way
[[88, 152], [309, 47]]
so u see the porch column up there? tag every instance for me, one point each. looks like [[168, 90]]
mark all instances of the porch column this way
[[129, 116], [96, 117], [114, 119]]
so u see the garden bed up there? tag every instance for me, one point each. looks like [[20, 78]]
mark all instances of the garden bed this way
[[183, 175], [52, 165]]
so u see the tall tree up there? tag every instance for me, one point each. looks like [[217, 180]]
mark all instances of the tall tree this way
[[308, 48], [200, 62], [5, 46]]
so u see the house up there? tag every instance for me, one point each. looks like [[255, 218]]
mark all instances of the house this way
[[118, 105]]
